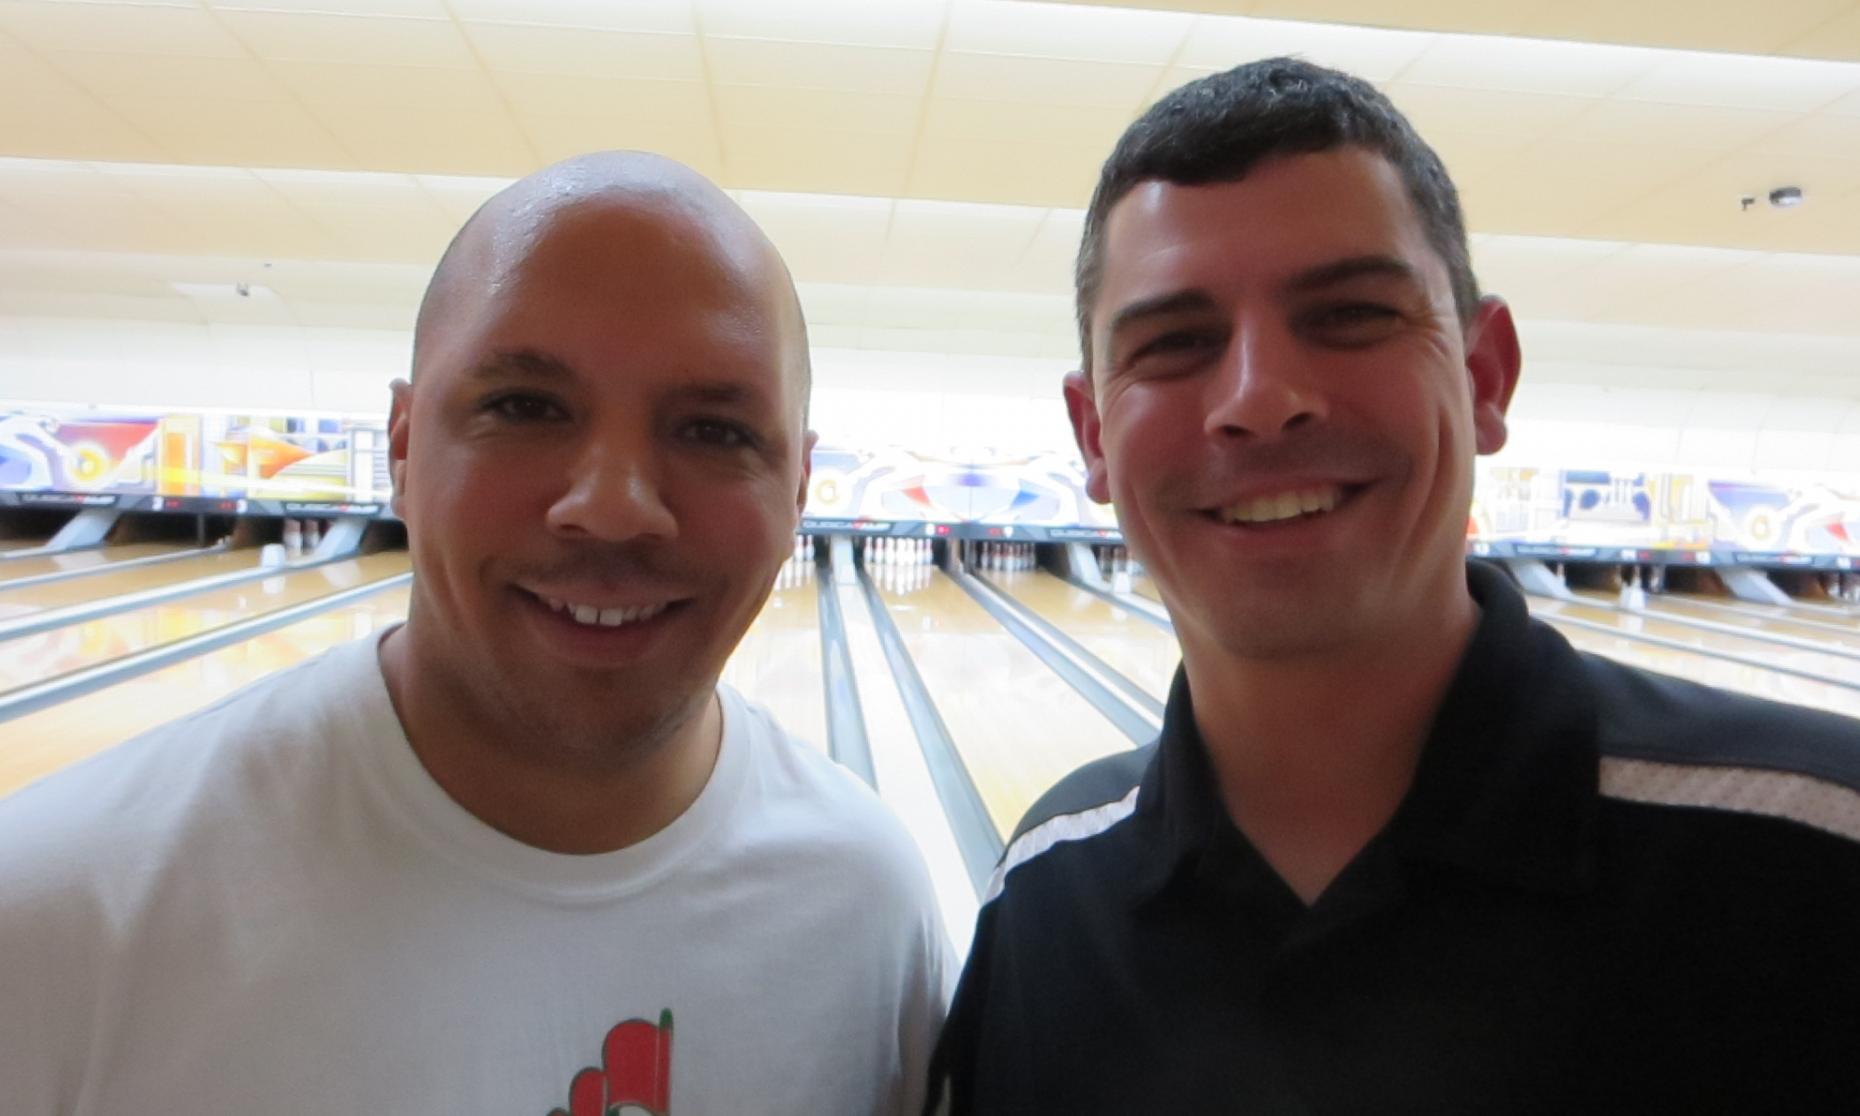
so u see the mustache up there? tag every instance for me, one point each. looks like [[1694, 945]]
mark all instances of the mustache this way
[[1344, 456], [605, 564]]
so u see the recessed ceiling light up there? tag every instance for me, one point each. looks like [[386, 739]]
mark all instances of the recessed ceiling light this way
[[1786, 197]]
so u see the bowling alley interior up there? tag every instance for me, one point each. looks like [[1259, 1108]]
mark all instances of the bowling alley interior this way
[[217, 218]]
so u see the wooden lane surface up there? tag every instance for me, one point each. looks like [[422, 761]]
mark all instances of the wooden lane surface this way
[[28, 599], [99, 558], [1695, 667], [1017, 725], [37, 657], [1128, 644], [1819, 663], [777, 665], [39, 743], [1144, 587], [1679, 607]]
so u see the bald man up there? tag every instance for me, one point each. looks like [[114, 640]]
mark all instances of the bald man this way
[[522, 853]]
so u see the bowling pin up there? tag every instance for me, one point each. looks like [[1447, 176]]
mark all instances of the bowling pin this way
[[293, 538]]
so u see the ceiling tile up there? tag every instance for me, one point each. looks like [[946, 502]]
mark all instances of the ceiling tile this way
[[1484, 63], [588, 53], [987, 77], [676, 103], [118, 29], [818, 66], [1481, 16], [1743, 81], [354, 40], [795, 159], [675, 17], [746, 106], [234, 133], [1083, 34], [332, 83], [896, 23], [1692, 127], [430, 141], [559, 137], [1496, 120], [459, 196], [69, 125], [1007, 121], [1017, 173], [1220, 43], [1737, 27], [171, 75], [431, 9], [824, 239]]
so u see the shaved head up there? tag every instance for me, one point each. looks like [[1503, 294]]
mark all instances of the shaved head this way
[[492, 248]]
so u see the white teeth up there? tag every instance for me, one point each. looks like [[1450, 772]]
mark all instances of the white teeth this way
[[1284, 505], [604, 617]]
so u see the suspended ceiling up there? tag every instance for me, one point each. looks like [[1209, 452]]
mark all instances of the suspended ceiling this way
[[914, 158]]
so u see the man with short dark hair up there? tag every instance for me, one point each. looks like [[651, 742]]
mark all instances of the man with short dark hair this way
[[523, 853], [1399, 848]]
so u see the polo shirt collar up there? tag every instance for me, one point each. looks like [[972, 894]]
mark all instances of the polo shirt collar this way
[[1507, 784]]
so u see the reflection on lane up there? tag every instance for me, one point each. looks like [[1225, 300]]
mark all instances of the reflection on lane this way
[[777, 665], [28, 599], [1821, 664], [1712, 672], [41, 742], [1017, 725], [100, 557], [1128, 644], [35, 658], [1827, 630]]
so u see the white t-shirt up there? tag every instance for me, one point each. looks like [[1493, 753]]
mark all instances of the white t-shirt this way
[[271, 907]]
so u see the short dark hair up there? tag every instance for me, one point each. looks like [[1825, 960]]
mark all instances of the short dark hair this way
[[1217, 128]]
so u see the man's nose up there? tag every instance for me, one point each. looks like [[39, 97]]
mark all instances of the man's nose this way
[[1264, 388], [614, 491]]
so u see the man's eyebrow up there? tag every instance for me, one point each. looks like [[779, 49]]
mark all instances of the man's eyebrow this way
[[522, 364], [1172, 303], [1352, 267]]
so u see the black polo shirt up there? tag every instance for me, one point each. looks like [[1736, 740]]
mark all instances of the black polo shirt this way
[[1606, 891]]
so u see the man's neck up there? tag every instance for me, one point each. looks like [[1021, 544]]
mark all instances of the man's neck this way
[[1313, 755], [537, 793]]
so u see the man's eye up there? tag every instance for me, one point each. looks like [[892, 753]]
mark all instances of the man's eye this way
[[716, 432], [1179, 343], [523, 408], [1354, 323]]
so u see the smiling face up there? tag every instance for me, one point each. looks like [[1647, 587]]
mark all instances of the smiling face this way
[[1284, 406], [601, 462]]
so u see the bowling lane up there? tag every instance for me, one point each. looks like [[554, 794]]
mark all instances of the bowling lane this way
[[1712, 672], [1776, 622], [1144, 587], [1821, 664], [39, 743], [28, 599], [1129, 644], [37, 657], [98, 558], [1017, 725], [777, 664]]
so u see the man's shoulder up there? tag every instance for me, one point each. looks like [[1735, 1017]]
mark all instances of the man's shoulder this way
[[1086, 804], [142, 793], [806, 805], [1667, 740]]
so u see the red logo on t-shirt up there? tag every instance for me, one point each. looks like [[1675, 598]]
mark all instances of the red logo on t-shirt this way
[[635, 1069]]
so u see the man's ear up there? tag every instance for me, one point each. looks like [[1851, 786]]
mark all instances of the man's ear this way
[[1493, 361], [1082, 408], [808, 439], [399, 412]]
